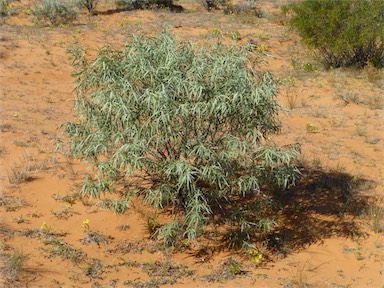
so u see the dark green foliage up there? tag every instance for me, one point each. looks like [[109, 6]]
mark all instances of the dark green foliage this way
[[55, 11], [191, 123], [346, 33]]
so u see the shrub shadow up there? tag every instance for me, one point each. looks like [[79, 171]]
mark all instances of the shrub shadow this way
[[323, 204]]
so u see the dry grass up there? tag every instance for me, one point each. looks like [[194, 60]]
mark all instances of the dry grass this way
[[14, 268]]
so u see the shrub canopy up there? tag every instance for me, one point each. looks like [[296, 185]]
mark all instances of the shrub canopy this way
[[56, 12], [346, 33], [192, 122]]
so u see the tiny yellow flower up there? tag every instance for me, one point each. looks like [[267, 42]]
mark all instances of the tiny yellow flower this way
[[43, 226], [16, 115], [86, 225]]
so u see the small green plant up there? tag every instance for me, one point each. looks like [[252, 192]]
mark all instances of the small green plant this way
[[93, 268], [165, 272], [361, 131], [193, 122], [345, 33], [310, 127], [21, 219], [229, 269], [234, 35], [57, 12]]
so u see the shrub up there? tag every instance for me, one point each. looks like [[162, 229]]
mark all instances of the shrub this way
[[90, 5], [4, 7], [55, 11], [191, 123], [243, 8], [145, 4], [346, 33]]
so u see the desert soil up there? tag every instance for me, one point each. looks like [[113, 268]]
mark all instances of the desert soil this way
[[336, 116]]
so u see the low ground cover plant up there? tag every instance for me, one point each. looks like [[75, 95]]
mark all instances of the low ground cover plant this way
[[345, 33], [183, 127]]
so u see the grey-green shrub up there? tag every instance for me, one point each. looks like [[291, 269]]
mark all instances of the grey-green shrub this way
[[345, 33], [55, 11], [190, 124], [144, 4], [90, 5], [4, 7]]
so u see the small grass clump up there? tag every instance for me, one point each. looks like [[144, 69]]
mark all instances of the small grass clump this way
[[62, 249], [12, 203], [13, 267], [117, 206], [161, 273], [19, 174], [376, 216], [228, 270], [94, 268], [22, 172], [64, 213]]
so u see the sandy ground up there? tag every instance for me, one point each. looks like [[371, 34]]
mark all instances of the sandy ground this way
[[336, 116]]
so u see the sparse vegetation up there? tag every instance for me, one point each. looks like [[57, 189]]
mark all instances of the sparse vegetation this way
[[345, 33], [215, 147]]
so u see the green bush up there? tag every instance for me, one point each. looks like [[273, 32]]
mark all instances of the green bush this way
[[189, 124], [346, 33], [55, 11]]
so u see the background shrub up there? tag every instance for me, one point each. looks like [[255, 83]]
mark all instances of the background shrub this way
[[346, 33], [90, 5], [191, 123], [144, 4], [4, 7], [55, 11]]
